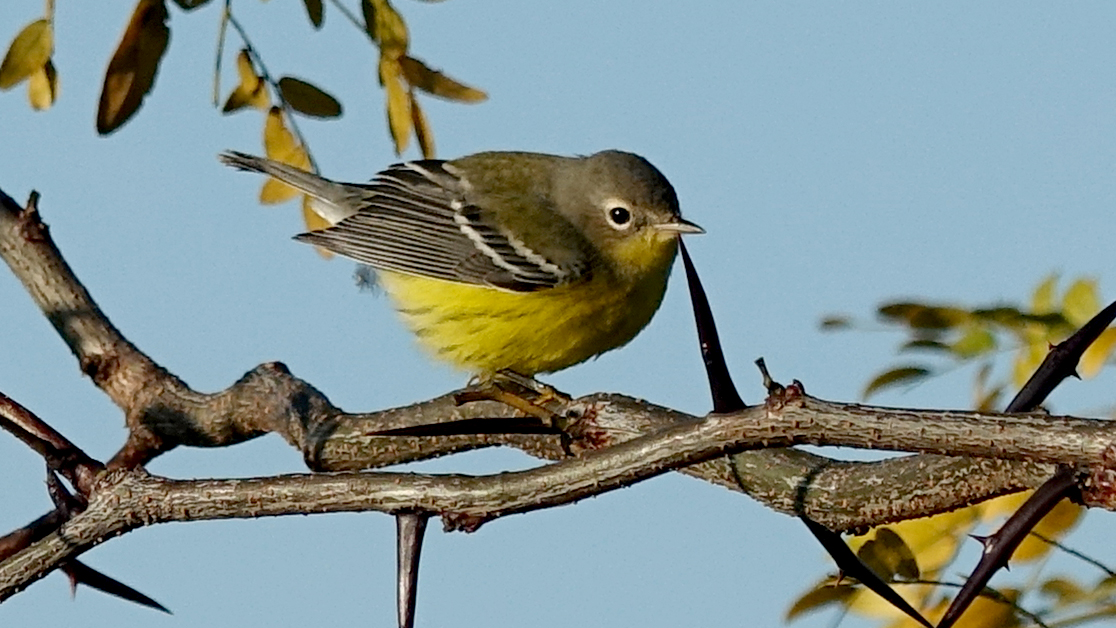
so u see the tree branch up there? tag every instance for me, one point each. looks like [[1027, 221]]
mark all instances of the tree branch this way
[[618, 440]]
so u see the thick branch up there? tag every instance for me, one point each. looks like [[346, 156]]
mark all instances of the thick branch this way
[[130, 499]]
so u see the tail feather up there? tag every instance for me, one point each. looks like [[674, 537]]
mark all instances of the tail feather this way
[[332, 200]]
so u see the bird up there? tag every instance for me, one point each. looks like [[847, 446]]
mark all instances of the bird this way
[[506, 262]]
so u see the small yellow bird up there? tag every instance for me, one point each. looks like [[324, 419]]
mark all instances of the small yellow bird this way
[[506, 261]]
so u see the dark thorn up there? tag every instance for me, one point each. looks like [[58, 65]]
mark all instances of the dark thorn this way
[[983, 540], [410, 528], [1061, 362], [851, 565], [725, 397], [79, 573], [999, 546]]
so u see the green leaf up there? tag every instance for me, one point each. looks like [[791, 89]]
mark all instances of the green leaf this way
[[314, 11], [924, 344], [976, 340], [920, 316], [895, 377], [308, 99], [889, 556], [1005, 316], [28, 53]]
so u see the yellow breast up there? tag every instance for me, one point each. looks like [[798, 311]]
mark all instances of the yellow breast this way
[[484, 330]]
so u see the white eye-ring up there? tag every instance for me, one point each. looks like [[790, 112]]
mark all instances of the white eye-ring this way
[[618, 214]]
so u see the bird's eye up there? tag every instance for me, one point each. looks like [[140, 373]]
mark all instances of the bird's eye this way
[[619, 217]]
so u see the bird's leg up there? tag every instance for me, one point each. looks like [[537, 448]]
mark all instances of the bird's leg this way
[[526, 394]]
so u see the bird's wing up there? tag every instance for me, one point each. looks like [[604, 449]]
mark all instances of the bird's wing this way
[[414, 218]]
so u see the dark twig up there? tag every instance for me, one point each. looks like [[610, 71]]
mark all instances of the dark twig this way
[[61, 455]]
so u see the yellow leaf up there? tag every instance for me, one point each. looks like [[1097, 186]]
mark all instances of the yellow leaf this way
[[386, 27], [933, 540], [1097, 353], [423, 132], [820, 596], [42, 89], [1042, 302], [988, 613], [398, 103], [434, 82], [1080, 302], [314, 222], [1027, 359], [1053, 526], [29, 52], [280, 145], [308, 99], [251, 92], [131, 72]]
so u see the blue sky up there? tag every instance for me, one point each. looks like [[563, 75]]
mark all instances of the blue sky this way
[[838, 154]]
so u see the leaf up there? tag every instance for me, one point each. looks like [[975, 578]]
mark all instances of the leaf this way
[[315, 11], [315, 222], [924, 344], [921, 316], [434, 82], [1053, 526], [308, 99], [131, 72], [29, 51], [895, 377], [1063, 591], [1042, 302], [976, 340], [888, 556], [42, 89], [398, 103], [386, 28], [189, 5], [423, 132], [835, 322], [280, 145], [1097, 353], [1080, 302], [989, 613], [251, 92], [819, 597]]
